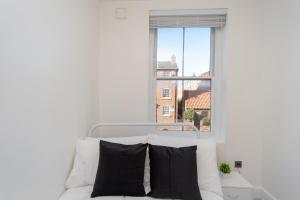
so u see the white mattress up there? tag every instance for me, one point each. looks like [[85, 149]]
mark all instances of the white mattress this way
[[83, 193]]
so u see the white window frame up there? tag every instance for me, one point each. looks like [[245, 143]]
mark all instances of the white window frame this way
[[218, 80], [169, 94], [169, 113]]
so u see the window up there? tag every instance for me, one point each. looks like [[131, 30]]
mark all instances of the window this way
[[191, 65], [166, 74], [166, 111], [189, 53], [166, 93]]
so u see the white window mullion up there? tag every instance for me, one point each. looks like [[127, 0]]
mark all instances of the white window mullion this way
[[186, 78], [182, 69], [212, 51], [152, 78]]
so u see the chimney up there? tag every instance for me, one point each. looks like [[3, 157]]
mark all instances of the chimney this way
[[173, 59]]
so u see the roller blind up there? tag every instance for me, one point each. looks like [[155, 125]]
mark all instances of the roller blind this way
[[188, 21]]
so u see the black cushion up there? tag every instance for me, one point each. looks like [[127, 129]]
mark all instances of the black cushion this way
[[173, 173], [120, 170]]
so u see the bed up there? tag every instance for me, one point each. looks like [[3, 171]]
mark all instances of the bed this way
[[84, 193], [79, 184]]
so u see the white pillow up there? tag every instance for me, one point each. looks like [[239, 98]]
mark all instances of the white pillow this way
[[208, 175], [87, 157]]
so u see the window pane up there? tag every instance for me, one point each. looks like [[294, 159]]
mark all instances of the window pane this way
[[196, 104], [169, 51], [166, 93], [166, 111], [189, 102], [197, 51]]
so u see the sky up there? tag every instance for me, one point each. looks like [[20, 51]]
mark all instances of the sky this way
[[196, 48]]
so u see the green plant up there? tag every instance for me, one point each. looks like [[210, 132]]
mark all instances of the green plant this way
[[189, 114], [224, 168], [206, 121]]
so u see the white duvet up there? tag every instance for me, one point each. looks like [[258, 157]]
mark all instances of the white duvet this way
[[84, 193]]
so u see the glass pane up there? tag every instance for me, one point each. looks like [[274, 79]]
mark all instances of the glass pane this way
[[188, 102], [197, 52], [169, 52], [196, 104]]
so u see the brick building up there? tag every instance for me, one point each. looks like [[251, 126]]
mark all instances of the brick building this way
[[166, 91]]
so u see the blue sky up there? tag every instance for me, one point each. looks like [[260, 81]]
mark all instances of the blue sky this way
[[197, 48]]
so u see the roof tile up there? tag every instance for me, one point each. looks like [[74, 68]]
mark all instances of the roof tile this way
[[200, 102]]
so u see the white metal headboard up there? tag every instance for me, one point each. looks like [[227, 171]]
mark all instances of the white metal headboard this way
[[99, 125]]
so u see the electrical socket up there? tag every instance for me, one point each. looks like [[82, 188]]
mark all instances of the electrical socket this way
[[238, 164]]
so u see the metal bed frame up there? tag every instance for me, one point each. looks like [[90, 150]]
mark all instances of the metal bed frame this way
[[99, 125]]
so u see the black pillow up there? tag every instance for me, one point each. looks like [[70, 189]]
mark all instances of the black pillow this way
[[173, 173], [120, 170]]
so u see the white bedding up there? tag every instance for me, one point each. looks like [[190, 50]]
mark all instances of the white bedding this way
[[83, 193], [79, 183]]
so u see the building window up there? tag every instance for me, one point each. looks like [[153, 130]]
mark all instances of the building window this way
[[166, 111], [166, 74], [190, 54], [166, 93]]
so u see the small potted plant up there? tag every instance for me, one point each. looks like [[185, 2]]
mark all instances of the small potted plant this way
[[224, 169]]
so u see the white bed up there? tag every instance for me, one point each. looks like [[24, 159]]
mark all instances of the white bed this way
[[84, 193], [79, 184]]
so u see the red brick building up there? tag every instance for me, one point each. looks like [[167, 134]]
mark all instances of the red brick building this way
[[166, 91]]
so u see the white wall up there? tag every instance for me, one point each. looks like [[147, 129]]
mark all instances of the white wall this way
[[281, 148], [48, 91], [49, 75], [244, 94], [124, 71]]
